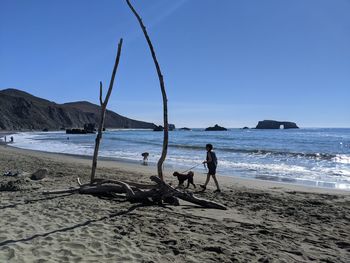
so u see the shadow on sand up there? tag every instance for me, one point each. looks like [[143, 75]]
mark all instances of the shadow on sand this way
[[65, 229]]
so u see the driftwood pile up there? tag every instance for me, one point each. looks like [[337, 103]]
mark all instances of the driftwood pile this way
[[157, 193]]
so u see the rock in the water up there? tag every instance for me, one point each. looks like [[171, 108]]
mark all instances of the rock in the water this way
[[270, 124], [216, 128], [75, 131], [89, 127], [171, 127], [39, 174], [158, 128]]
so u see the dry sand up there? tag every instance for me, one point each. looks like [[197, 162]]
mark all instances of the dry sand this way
[[265, 221]]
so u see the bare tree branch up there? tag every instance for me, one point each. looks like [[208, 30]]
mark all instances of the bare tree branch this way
[[162, 87], [101, 102], [103, 111]]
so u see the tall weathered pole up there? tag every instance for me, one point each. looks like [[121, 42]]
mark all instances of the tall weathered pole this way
[[103, 111], [162, 88]]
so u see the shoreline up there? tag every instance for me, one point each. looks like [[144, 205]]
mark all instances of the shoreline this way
[[268, 170], [264, 221], [133, 166]]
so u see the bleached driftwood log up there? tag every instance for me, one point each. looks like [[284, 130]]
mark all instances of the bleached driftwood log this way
[[158, 193], [187, 196]]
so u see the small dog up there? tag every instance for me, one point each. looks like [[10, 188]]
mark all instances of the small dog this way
[[183, 177], [145, 158]]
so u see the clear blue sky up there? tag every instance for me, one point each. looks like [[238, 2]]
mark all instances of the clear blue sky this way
[[227, 62]]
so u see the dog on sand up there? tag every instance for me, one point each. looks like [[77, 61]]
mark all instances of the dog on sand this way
[[183, 177]]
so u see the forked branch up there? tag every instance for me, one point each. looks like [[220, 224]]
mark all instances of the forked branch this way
[[103, 111]]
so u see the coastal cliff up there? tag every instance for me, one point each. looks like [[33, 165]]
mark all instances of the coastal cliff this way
[[22, 111]]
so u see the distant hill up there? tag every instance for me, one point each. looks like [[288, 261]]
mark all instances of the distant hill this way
[[22, 111]]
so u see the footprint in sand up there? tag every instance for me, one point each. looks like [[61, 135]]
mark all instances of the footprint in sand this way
[[10, 253], [75, 245], [45, 253], [77, 259], [25, 212], [66, 252], [63, 259], [96, 244]]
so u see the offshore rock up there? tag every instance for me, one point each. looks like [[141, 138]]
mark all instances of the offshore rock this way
[[171, 127], [270, 124], [158, 128], [216, 128]]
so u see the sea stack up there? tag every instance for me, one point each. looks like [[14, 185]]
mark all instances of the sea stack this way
[[216, 128], [270, 124]]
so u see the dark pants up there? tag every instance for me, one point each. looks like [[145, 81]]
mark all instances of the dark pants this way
[[212, 170]]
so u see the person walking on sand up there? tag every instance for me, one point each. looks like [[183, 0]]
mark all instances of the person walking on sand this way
[[212, 163]]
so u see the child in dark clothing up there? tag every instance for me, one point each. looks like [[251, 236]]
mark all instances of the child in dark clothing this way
[[211, 162]]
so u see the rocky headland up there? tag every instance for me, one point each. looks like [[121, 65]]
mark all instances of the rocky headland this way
[[22, 111]]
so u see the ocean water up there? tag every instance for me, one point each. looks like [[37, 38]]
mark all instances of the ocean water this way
[[314, 157]]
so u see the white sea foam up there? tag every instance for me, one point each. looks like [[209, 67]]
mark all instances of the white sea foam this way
[[259, 166], [342, 158], [31, 141]]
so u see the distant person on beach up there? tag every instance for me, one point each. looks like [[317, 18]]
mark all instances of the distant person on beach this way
[[211, 162], [11, 138]]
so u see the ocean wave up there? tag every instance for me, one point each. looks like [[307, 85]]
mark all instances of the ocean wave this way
[[280, 168], [319, 156], [342, 158], [143, 142]]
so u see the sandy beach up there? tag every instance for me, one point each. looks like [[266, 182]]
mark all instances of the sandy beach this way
[[265, 221]]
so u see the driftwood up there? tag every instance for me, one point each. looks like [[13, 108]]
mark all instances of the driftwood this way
[[162, 88], [157, 193], [187, 196], [90, 189], [132, 184], [103, 110]]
